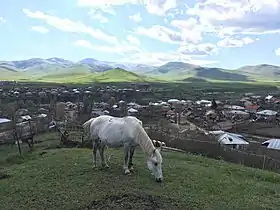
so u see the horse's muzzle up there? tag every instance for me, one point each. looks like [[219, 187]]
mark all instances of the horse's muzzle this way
[[159, 180]]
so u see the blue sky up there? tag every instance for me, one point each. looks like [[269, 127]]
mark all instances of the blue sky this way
[[221, 33]]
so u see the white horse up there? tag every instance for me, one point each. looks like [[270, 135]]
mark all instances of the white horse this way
[[128, 132]]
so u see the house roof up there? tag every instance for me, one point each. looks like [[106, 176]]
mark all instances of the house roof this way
[[229, 139], [238, 112], [4, 120], [131, 110], [267, 112], [268, 97], [272, 143], [253, 107]]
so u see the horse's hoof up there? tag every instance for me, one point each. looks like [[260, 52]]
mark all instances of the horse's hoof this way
[[106, 166], [127, 172], [94, 167], [131, 169]]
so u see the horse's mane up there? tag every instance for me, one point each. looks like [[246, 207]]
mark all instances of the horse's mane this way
[[143, 139]]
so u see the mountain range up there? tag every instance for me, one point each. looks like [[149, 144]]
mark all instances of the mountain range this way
[[52, 67]]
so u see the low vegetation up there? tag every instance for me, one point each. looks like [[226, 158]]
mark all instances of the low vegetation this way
[[52, 178]]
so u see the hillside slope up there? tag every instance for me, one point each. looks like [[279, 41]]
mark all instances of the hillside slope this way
[[119, 75], [38, 68], [64, 179], [84, 75], [171, 71], [10, 74], [219, 74], [264, 70]]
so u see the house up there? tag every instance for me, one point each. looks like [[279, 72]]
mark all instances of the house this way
[[132, 112], [267, 114], [272, 144], [252, 108], [232, 140], [268, 98]]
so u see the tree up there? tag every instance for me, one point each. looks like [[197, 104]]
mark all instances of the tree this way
[[123, 108], [214, 104], [11, 112], [111, 102], [178, 110]]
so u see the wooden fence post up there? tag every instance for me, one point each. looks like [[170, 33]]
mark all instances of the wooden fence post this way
[[264, 159]]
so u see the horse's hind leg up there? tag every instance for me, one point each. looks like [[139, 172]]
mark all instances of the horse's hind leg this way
[[102, 156], [131, 153], [94, 151]]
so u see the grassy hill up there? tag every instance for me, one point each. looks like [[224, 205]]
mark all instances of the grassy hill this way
[[181, 71], [114, 75], [10, 74], [170, 72], [77, 74], [119, 75], [50, 178], [47, 69], [261, 72]]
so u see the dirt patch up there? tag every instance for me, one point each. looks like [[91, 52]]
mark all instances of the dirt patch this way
[[128, 201]]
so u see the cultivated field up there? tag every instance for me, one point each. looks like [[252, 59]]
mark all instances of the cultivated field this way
[[56, 178]]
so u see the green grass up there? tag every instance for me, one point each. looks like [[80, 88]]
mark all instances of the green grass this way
[[64, 179]]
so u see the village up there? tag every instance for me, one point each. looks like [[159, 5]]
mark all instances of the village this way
[[243, 128]]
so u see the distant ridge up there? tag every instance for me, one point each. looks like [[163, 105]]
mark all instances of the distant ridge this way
[[42, 68]]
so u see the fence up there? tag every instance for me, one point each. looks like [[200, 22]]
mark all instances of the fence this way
[[212, 149]]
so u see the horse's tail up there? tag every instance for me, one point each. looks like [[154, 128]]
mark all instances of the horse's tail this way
[[86, 125]]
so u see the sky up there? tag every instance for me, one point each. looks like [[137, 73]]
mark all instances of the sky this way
[[214, 33]]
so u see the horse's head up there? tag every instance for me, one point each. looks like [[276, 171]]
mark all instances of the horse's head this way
[[154, 165]]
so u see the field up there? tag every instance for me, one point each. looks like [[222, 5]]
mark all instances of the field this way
[[53, 178]]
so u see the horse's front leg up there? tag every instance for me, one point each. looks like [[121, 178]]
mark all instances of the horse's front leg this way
[[131, 153], [103, 159], [125, 164]]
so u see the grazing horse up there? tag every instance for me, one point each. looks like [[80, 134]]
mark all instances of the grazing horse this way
[[124, 132]]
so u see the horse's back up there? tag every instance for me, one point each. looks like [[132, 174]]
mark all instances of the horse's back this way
[[115, 131]]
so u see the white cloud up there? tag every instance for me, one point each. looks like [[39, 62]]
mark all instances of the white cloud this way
[[120, 49], [232, 42], [83, 43], [198, 49], [158, 58], [137, 18], [106, 6], [277, 51], [40, 29], [167, 35], [133, 40], [160, 33], [66, 25], [95, 3], [97, 16], [240, 16], [158, 7], [2, 20], [190, 29]]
